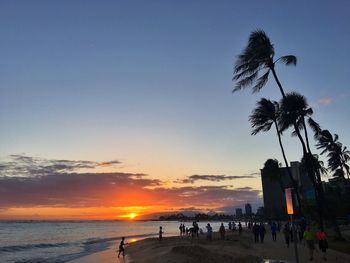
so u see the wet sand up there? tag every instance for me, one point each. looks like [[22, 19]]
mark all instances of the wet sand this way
[[233, 249]]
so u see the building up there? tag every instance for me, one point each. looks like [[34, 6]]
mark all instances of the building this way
[[274, 198], [239, 212], [248, 209], [260, 211]]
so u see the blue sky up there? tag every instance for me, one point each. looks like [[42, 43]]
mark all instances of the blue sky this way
[[149, 82]]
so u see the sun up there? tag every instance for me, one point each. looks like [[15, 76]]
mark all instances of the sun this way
[[132, 216]]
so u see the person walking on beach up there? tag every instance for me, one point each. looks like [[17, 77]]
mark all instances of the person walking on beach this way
[[180, 227], [160, 233], [309, 237], [274, 231], [222, 231], [209, 232], [240, 228], [262, 232], [322, 242], [286, 234], [184, 232], [121, 247], [229, 225], [256, 233]]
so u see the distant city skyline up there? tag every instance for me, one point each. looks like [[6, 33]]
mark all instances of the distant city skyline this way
[[137, 97]]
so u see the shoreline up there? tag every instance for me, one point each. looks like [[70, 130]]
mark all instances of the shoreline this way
[[235, 248]]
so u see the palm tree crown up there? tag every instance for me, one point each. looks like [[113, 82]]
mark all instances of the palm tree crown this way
[[258, 54], [264, 116]]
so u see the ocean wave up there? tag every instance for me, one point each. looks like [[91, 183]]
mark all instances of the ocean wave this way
[[90, 244]]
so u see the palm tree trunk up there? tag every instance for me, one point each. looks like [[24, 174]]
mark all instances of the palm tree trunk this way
[[278, 81], [294, 183]]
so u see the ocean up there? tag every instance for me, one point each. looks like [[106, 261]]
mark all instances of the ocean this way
[[63, 241]]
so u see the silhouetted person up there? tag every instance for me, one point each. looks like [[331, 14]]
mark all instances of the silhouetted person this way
[[222, 231], [240, 228], [286, 233], [183, 229], [121, 247], [274, 231], [262, 232], [229, 225], [160, 233], [209, 232], [256, 233], [180, 228]]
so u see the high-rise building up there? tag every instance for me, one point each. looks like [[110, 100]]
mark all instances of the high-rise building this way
[[248, 209], [239, 212], [274, 198]]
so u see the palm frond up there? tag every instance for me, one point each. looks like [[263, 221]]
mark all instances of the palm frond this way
[[288, 60], [261, 82]]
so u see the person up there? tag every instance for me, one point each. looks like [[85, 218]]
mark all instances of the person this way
[[222, 231], [184, 232], [256, 233], [240, 228], [262, 232], [180, 227], [209, 232], [229, 225], [274, 231], [160, 233], [233, 226], [322, 242], [121, 247], [309, 237], [286, 234]]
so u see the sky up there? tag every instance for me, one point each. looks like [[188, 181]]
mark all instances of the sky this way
[[116, 107]]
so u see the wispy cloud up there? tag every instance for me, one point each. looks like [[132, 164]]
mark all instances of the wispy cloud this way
[[214, 178], [324, 101], [22, 165]]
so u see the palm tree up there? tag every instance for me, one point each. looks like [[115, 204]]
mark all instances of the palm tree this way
[[258, 55], [338, 155], [294, 110], [263, 117]]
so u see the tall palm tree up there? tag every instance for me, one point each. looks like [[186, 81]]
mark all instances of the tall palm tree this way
[[263, 117], [338, 155], [294, 110], [258, 55]]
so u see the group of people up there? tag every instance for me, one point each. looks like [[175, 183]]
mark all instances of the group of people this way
[[301, 232]]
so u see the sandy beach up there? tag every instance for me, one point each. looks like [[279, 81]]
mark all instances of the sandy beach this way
[[234, 248]]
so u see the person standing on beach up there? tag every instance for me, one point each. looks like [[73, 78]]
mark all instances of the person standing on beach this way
[[240, 228], [209, 232], [262, 232], [222, 231], [274, 231], [229, 225], [121, 247], [286, 234], [183, 229], [309, 237], [160, 233], [180, 227], [256, 233], [322, 242]]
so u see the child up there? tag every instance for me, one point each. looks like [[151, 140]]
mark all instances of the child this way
[[121, 247], [160, 233]]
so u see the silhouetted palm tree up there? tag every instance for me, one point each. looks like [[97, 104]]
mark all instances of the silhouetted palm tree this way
[[263, 117], [258, 55], [338, 155]]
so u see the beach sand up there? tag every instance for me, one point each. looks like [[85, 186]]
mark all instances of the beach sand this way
[[233, 249]]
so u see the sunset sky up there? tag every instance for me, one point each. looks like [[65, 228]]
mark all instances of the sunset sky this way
[[109, 108]]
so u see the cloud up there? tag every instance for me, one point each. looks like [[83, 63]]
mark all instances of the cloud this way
[[324, 101], [22, 165], [214, 178], [27, 182]]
